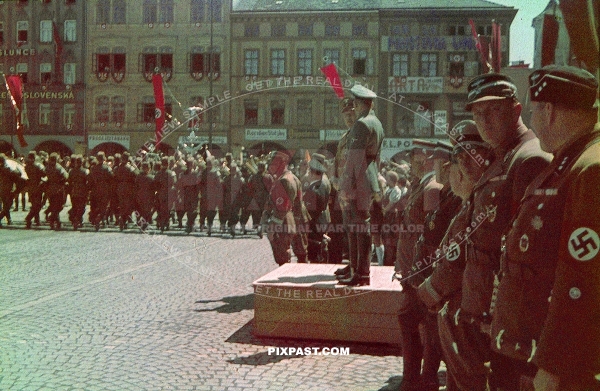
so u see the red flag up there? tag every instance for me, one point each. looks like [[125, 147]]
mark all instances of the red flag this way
[[496, 47], [59, 48], [14, 86], [482, 48], [159, 111], [331, 73]]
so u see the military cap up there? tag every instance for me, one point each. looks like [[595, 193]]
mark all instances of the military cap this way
[[567, 85], [491, 86], [346, 104], [465, 132], [317, 163], [422, 146], [442, 150], [362, 92]]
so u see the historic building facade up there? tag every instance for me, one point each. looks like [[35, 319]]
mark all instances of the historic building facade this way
[[44, 42], [252, 65]]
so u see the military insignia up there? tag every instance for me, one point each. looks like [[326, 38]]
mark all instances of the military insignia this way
[[537, 223], [524, 243], [574, 293], [431, 225], [491, 212], [279, 201], [584, 244], [453, 252]]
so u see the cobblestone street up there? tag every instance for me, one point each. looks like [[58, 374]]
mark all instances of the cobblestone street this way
[[114, 310]]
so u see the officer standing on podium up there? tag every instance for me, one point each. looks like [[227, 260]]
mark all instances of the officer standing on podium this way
[[359, 186]]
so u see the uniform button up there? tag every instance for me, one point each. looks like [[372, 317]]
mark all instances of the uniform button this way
[[493, 194], [540, 206], [574, 293]]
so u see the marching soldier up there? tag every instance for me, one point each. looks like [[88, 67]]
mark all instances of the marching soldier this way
[[165, 180], [36, 173], [145, 194], [283, 205], [78, 190], [359, 186], [57, 180], [516, 160], [189, 189], [545, 321], [125, 178], [100, 181], [9, 177]]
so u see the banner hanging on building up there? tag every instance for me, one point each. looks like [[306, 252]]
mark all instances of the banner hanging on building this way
[[159, 102]]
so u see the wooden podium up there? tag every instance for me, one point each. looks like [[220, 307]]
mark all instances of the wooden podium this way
[[304, 301]]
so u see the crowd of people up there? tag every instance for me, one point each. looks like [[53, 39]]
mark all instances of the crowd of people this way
[[494, 235]]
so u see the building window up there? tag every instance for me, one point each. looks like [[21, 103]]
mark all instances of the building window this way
[[22, 31], [213, 60], [69, 114], [484, 30], [278, 30], [428, 65], [117, 106], [22, 70], [277, 62], [46, 31], [277, 112], [304, 112], [166, 11], [45, 73], [459, 30], [456, 65], [119, 12], [305, 29], [331, 56], [70, 2], [215, 8], [44, 114], [359, 30], [332, 113], [103, 12], [304, 62], [147, 110], [429, 30], [102, 106], [359, 60], [400, 64], [150, 9], [332, 29], [119, 60], [69, 73], [412, 119], [250, 112], [70, 30], [197, 64], [157, 61], [251, 62], [402, 30], [197, 13], [251, 30]]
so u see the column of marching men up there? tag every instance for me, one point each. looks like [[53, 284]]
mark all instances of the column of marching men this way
[[494, 235]]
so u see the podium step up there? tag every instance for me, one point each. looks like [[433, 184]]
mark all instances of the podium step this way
[[305, 301]]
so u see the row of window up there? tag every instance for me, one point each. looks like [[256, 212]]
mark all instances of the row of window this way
[[46, 115], [26, 2], [48, 32], [69, 76], [432, 30], [158, 11]]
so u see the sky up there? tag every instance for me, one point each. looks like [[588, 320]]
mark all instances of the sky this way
[[521, 32]]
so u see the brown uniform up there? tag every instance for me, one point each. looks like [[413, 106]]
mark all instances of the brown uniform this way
[[547, 305]]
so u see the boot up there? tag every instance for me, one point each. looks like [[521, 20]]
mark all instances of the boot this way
[[380, 252]]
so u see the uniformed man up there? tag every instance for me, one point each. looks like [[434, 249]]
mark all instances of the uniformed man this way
[[284, 203], [100, 181], [125, 174], [145, 195], [36, 173], [467, 164], [9, 177], [516, 160], [424, 197], [338, 247], [316, 198], [57, 180], [545, 321], [165, 180], [78, 190], [359, 185]]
